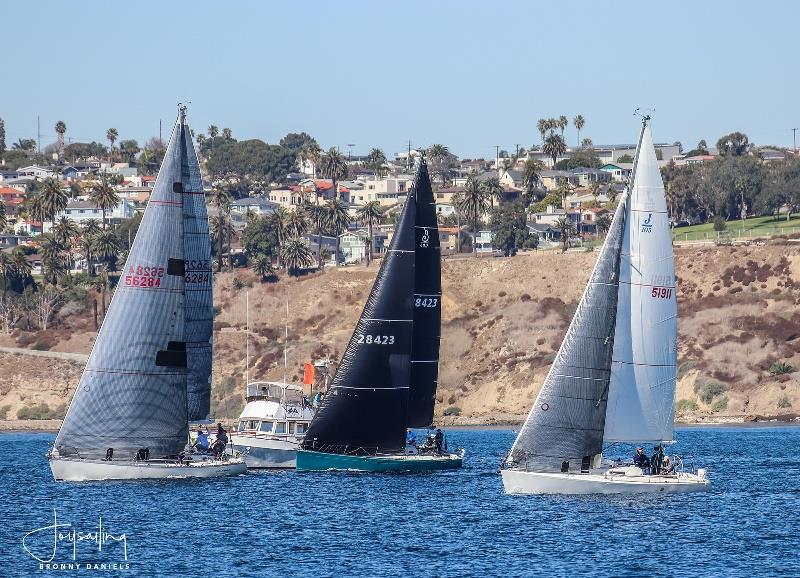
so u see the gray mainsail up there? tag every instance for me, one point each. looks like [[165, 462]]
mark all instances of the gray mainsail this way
[[132, 393], [199, 308], [564, 429]]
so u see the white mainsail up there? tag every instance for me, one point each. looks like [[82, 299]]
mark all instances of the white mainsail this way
[[641, 397]]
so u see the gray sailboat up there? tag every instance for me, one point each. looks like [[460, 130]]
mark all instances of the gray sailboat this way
[[149, 373]]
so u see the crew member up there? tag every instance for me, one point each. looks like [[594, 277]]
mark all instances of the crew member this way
[[657, 459], [439, 438], [202, 440], [641, 460]]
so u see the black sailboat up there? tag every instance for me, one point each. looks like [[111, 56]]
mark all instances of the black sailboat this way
[[386, 381]]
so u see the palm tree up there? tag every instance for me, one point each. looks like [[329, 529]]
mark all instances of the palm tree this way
[[54, 256], [611, 193], [334, 167], [474, 204], [220, 229], [279, 219], [296, 254], [603, 223], [337, 218], [438, 153], [221, 198], [375, 160], [3, 218], [49, 201], [567, 229], [554, 147], [370, 214], [61, 128], [104, 196], [64, 231], [530, 173], [579, 123], [298, 222], [493, 190], [227, 134], [106, 246], [595, 190], [213, 131], [112, 135], [312, 153], [7, 271], [562, 124], [541, 126], [317, 215], [262, 266], [564, 189]]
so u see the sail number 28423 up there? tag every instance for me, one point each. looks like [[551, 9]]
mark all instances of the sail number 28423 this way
[[661, 292], [376, 339]]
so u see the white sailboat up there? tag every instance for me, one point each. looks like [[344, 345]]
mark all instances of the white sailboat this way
[[613, 379], [149, 373]]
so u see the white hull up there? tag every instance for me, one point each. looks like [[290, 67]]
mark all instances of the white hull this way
[[522, 482], [265, 452], [77, 470]]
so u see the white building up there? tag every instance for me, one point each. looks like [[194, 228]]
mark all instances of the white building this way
[[82, 211]]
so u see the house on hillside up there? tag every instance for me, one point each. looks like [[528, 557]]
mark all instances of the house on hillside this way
[[35, 171], [585, 177], [446, 195], [448, 239], [445, 209], [353, 245], [694, 160], [551, 180], [483, 242], [257, 205], [81, 211], [545, 232], [620, 172]]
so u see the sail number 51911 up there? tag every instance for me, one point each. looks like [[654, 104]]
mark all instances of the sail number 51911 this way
[[376, 339], [661, 292]]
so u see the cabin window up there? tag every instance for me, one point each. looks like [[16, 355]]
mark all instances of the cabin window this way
[[266, 426], [280, 427], [301, 428], [291, 428]]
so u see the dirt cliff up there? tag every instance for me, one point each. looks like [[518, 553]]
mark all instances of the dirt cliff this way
[[503, 320]]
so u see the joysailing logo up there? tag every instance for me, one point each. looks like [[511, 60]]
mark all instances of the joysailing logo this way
[[647, 225]]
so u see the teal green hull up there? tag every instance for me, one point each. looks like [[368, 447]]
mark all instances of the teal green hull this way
[[309, 461]]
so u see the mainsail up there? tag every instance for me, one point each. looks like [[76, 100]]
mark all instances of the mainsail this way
[[641, 404], [565, 424], [365, 410], [427, 304], [132, 393], [199, 307]]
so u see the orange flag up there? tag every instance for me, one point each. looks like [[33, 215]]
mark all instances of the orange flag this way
[[308, 374]]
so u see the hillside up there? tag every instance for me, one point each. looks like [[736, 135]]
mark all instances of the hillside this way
[[503, 320]]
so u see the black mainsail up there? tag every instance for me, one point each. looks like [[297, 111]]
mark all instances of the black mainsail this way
[[133, 391], [427, 304], [366, 408]]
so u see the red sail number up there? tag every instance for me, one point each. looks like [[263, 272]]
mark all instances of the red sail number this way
[[146, 277]]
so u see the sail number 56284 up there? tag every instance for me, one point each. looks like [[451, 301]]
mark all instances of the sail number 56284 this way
[[661, 292], [376, 339]]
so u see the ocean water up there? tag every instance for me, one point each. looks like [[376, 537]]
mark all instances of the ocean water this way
[[444, 524]]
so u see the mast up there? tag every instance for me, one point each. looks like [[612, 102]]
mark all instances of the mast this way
[[365, 411], [247, 338], [427, 303], [133, 390]]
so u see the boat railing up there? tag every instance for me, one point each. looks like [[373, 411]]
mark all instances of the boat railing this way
[[346, 450]]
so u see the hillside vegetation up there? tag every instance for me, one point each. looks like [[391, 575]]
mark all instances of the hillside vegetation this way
[[503, 320]]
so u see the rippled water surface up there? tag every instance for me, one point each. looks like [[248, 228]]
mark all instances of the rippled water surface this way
[[445, 524]]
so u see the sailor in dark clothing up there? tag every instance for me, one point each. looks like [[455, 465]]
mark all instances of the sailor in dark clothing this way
[[641, 460], [220, 442], [657, 460], [439, 438]]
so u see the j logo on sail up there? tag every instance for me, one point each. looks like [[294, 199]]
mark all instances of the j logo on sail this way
[[647, 225], [425, 239]]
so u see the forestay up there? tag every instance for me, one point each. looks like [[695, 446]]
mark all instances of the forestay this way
[[427, 304], [365, 410], [132, 393], [641, 403]]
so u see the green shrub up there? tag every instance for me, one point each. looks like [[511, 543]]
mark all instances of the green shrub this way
[[783, 403], [452, 410], [719, 223], [685, 368], [720, 405], [42, 411], [708, 391], [4, 411], [685, 405], [780, 368], [238, 284]]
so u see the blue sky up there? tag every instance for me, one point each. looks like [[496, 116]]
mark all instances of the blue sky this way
[[469, 74]]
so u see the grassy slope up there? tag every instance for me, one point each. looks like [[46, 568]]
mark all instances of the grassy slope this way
[[754, 227]]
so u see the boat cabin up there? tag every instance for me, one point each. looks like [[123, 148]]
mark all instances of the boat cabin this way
[[275, 410]]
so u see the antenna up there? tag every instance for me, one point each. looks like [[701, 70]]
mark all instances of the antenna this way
[[285, 338], [794, 139], [247, 338]]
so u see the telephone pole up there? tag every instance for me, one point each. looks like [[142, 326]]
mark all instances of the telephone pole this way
[[794, 139], [408, 159], [497, 157], [38, 135]]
